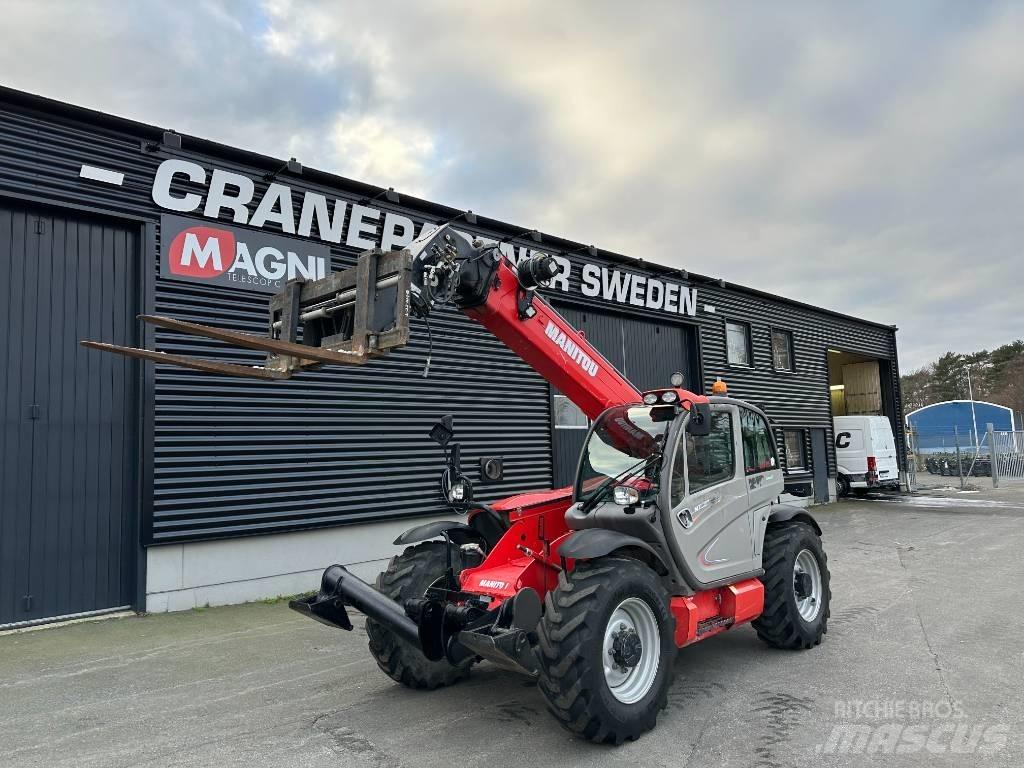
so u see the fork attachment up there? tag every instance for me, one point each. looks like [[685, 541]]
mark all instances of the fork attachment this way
[[361, 312], [345, 318]]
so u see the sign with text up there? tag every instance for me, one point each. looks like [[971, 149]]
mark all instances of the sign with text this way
[[210, 252]]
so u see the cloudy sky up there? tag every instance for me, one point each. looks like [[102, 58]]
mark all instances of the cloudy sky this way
[[867, 157]]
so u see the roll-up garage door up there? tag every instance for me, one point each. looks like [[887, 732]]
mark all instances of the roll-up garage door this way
[[646, 352]]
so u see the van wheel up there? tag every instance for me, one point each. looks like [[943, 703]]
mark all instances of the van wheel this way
[[842, 486]]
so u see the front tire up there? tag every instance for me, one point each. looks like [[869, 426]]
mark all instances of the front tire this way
[[407, 577], [607, 650], [797, 594]]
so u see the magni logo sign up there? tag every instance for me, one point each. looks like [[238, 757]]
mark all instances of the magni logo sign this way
[[222, 255]]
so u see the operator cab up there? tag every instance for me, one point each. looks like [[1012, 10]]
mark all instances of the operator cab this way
[[691, 479]]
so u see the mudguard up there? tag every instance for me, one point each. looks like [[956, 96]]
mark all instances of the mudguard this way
[[459, 533], [782, 513], [598, 542]]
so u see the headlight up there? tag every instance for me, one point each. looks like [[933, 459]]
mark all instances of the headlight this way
[[457, 492], [669, 397], [650, 399], [626, 495]]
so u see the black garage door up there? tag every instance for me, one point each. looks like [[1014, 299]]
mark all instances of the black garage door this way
[[68, 451], [647, 353]]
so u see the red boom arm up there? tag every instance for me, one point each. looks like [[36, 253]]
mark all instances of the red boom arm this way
[[552, 347]]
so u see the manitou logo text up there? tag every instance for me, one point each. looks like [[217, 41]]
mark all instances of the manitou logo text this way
[[230, 256], [568, 346], [493, 584]]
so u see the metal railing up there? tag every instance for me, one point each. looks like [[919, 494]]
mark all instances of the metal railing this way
[[934, 453], [1007, 449]]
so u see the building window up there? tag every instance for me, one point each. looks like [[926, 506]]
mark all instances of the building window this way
[[758, 445], [796, 455], [782, 350], [737, 336], [568, 415]]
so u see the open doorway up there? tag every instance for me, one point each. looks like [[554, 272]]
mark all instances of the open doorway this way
[[855, 385]]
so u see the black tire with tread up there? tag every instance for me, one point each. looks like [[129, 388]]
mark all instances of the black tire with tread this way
[[780, 625], [842, 486], [571, 634], [407, 577]]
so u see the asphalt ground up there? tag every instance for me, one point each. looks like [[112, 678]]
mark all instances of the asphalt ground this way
[[923, 665]]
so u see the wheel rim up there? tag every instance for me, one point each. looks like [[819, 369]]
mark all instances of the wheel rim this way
[[807, 585], [631, 650]]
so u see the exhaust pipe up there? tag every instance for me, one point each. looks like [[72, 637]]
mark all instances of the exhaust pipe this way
[[339, 588]]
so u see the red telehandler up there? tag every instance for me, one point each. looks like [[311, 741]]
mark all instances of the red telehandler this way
[[672, 532]]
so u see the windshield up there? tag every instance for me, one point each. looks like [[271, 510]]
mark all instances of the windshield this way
[[624, 437]]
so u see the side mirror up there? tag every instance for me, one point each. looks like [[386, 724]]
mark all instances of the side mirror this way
[[699, 424], [443, 431]]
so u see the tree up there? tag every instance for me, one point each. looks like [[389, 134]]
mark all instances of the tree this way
[[1002, 361], [915, 389], [1011, 392], [948, 381], [996, 376]]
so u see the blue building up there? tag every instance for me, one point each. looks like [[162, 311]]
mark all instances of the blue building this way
[[939, 426]]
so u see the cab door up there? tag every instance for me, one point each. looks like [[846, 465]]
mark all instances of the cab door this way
[[710, 523], [762, 471]]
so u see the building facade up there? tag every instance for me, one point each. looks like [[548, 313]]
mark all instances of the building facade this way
[[127, 484]]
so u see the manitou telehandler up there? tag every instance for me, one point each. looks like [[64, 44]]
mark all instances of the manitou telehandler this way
[[672, 532]]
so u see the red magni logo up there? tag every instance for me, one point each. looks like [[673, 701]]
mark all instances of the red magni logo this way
[[202, 252]]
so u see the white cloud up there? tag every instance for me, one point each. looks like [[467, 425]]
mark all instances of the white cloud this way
[[863, 157], [384, 152]]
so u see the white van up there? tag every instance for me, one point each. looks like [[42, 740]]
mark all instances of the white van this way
[[865, 454]]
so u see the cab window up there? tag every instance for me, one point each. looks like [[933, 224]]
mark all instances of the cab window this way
[[710, 459], [758, 445]]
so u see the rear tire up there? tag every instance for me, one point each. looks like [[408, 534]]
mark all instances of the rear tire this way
[[842, 486], [407, 577], [607, 650], [796, 609]]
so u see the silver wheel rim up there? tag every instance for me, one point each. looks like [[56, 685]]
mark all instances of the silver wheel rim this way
[[808, 605], [633, 618]]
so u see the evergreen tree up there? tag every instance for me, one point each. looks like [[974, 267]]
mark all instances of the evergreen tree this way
[[948, 380]]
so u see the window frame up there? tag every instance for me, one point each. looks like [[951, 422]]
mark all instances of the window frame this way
[[680, 449], [803, 448], [792, 349], [554, 416], [771, 442], [750, 343]]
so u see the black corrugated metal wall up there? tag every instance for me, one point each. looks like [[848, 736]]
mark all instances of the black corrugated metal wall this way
[[233, 457]]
